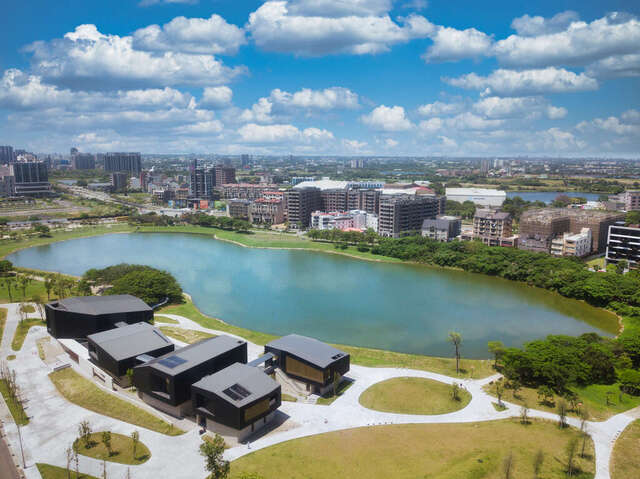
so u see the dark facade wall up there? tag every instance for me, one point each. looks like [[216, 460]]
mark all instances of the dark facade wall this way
[[179, 389], [340, 366], [120, 368], [67, 325], [223, 412]]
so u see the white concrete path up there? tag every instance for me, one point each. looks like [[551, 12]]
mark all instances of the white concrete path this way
[[53, 420]]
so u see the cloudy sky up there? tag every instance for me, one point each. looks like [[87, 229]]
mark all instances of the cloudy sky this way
[[385, 77]]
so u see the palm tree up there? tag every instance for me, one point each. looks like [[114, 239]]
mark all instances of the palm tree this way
[[456, 339], [48, 286], [9, 282]]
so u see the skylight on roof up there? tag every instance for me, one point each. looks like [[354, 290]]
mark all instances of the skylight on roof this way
[[172, 361], [236, 392]]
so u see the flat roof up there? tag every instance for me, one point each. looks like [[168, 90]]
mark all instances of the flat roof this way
[[310, 349], [194, 354], [239, 384], [323, 184], [130, 341], [95, 305], [475, 192]]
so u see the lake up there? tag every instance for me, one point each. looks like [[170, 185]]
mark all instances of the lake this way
[[549, 196], [399, 307]]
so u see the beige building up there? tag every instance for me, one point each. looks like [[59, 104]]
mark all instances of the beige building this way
[[266, 211], [491, 227], [568, 244]]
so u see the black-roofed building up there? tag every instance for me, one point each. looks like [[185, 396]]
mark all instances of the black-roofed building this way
[[308, 360], [78, 317], [236, 401], [120, 349], [165, 382]]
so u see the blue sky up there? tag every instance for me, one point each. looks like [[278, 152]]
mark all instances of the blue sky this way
[[372, 77]]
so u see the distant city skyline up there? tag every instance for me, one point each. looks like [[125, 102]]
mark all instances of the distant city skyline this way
[[334, 77]]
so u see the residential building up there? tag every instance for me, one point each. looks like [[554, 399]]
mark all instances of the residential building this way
[[623, 243], [628, 201], [266, 211], [404, 214], [364, 199], [119, 181], [244, 161], [83, 161], [7, 155], [31, 178], [480, 196], [345, 220], [442, 228], [296, 180], [78, 317], [301, 202], [224, 175], [246, 191], [116, 351], [165, 382], [202, 181], [120, 161], [491, 226], [570, 244], [309, 361], [236, 401], [7, 181], [239, 209]]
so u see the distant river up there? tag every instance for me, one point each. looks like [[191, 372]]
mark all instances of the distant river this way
[[549, 196], [399, 307]]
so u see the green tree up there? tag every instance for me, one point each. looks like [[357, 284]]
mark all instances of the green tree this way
[[84, 433], [214, 462], [48, 286], [499, 391], [584, 418], [562, 413], [545, 395], [9, 282], [151, 285], [456, 339], [106, 440], [5, 267], [497, 349]]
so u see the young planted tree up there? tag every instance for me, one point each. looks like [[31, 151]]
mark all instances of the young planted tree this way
[[499, 391], [584, 418], [516, 386], [524, 413], [84, 431], [214, 461], [507, 466], [106, 440], [455, 391], [456, 340], [69, 457], [135, 439], [48, 286], [23, 282], [562, 413], [9, 283], [572, 448], [538, 460]]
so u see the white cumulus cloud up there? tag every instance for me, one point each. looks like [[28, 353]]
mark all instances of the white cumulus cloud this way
[[279, 133], [216, 97], [385, 118], [450, 44]]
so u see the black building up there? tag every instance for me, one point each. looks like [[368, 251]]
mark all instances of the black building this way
[[83, 161], [309, 360], [31, 178], [6, 155], [301, 202], [623, 243], [240, 397], [165, 382], [130, 162], [78, 317], [117, 350], [202, 180]]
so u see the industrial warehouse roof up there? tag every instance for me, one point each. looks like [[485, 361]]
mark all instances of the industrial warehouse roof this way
[[323, 185], [309, 349], [130, 341], [239, 384], [193, 355], [96, 305], [475, 192]]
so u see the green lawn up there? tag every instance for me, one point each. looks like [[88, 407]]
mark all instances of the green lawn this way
[[47, 471], [84, 393], [625, 461], [3, 321], [434, 451], [34, 288], [188, 336], [121, 449], [22, 330], [413, 396], [19, 416], [164, 319]]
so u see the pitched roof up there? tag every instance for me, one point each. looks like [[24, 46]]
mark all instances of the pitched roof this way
[[309, 349], [96, 305], [239, 384], [130, 341], [193, 355]]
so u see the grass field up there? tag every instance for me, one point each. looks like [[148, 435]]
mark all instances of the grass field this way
[[164, 319], [413, 396], [47, 471], [22, 330], [625, 461], [3, 321], [19, 416], [593, 399], [34, 288], [188, 336], [84, 393], [434, 451], [121, 449]]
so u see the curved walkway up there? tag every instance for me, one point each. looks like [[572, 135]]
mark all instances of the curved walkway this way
[[53, 420]]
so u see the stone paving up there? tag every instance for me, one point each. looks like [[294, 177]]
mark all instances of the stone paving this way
[[53, 420]]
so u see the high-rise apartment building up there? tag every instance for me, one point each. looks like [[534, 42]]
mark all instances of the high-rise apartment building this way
[[7, 155], [403, 214], [224, 175], [202, 181], [623, 243], [130, 162], [491, 227], [7, 182], [83, 161], [119, 181], [31, 178], [364, 199], [301, 202]]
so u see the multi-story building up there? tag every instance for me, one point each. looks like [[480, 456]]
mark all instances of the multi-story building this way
[[244, 161], [239, 209], [301, 202], [480, 196], [83, 161], [31, 178], [344, 220], [296, 180], [629, 200], [7, 181], [623, 243], [202, 181], [404, 214], [246, 191], [224, 175], [597, 221], [570, 244], [7, 155], [119, 161], [442, 228], [266, 211], [364, 199], [119, 181], [491, 226]]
